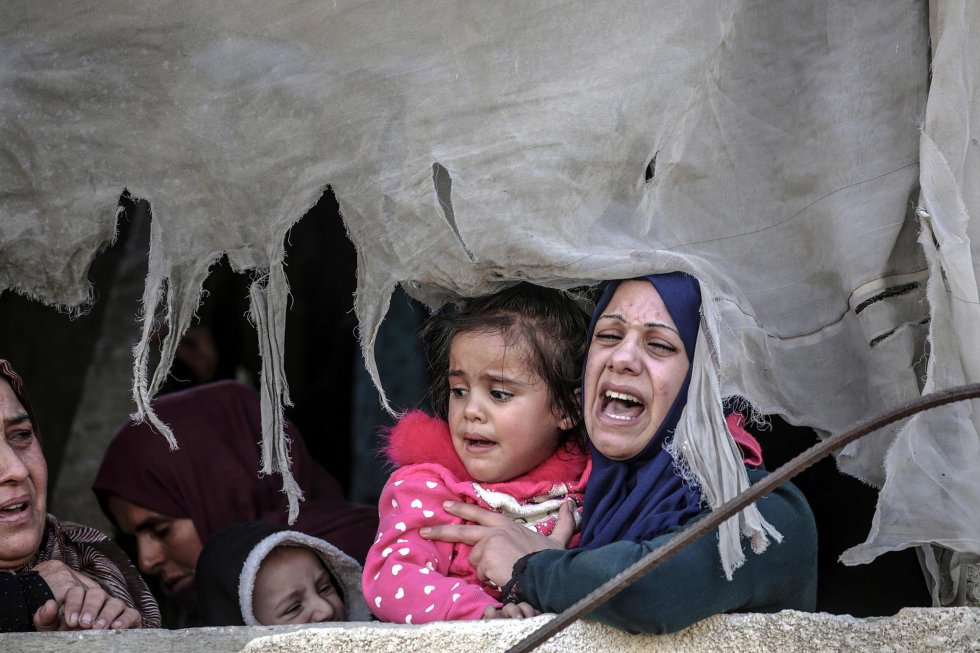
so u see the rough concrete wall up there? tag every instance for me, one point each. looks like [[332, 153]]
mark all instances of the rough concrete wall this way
[[914, 629]]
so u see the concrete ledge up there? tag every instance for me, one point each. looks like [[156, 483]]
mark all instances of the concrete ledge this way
[[913, 629]]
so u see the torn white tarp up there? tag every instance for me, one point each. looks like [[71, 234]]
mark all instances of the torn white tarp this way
[[772, 149], [932, 485]]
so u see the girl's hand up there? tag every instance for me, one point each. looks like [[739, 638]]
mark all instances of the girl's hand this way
[[510, 611], [497, 541]]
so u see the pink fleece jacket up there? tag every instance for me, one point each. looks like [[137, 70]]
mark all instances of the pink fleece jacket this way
[[408, 579]]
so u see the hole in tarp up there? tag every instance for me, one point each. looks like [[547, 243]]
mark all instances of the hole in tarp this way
[[651, 167], [443, 183]]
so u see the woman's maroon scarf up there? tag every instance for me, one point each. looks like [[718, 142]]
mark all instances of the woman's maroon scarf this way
[[213, 478]]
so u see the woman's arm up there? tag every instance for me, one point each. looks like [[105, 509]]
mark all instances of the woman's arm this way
[[690, 586], [683, 590]]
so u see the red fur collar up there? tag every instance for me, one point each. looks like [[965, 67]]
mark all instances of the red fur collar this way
[[419, 438]]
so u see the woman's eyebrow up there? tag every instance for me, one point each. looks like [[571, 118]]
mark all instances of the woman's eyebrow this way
[[149, 524], [16, 419], [620, 318]]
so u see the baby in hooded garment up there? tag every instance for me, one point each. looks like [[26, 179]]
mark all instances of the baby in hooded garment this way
[[255, 573]]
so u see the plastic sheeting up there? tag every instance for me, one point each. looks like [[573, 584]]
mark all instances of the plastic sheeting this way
[[772, 149], [932, 486]]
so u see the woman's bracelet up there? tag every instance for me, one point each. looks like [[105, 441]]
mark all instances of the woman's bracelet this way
[[513, 591]]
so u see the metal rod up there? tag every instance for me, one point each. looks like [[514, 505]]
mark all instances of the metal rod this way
[[699, 528]]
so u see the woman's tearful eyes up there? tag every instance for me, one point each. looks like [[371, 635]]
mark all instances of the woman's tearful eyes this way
[[662, 347], [608, 336], [21, 438]]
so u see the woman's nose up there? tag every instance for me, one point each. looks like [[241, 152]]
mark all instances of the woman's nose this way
[[322, 611], [149, 555], [12, 468], [624, 357]]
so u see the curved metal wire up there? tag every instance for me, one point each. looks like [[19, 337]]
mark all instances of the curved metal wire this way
[[801, 462]]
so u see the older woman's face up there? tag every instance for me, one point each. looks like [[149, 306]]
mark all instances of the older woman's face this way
[[23, 483], [635, 367], [167, 547]]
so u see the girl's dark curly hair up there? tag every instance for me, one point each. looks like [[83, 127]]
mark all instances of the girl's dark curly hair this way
[[549, 323]]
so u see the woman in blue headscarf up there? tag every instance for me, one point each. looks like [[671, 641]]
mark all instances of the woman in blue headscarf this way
[[649, 479]]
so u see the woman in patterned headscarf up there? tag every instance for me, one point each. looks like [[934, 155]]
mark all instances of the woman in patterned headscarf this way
[[57, 574]]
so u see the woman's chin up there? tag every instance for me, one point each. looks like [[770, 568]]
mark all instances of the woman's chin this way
[[618, 446], [21, 541], [619, 439], [180, 588]]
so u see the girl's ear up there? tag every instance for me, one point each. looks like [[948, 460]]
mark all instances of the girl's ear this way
[[564, 421]]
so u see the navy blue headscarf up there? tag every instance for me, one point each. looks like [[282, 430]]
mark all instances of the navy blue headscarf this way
[[640, 498]]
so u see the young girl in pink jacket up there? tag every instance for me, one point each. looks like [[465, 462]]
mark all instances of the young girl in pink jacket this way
[[504, 372]]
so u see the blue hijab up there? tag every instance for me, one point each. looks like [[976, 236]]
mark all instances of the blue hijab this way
[[639, 498]]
